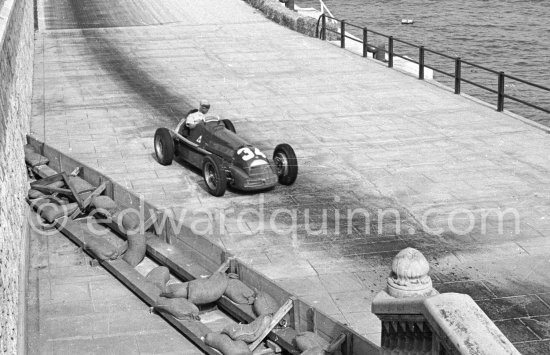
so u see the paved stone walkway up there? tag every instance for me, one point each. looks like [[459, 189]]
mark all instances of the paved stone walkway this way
[[75, 308], [367, 137]]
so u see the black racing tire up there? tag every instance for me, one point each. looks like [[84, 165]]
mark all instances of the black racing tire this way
[[164, 146], [229, 125], [214, 176], [286, 163]]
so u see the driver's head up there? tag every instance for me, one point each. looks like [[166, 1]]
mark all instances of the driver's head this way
[[204, 106]]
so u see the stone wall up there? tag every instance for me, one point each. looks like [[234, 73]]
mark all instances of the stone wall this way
[[16, 67], [273, 10]]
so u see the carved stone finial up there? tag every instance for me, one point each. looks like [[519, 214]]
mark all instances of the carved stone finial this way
[[409, 275]]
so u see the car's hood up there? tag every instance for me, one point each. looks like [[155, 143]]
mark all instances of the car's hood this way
[[224, 142]]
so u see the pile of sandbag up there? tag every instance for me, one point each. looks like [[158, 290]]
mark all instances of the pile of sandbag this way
[[311, 344], [137, 241], [181, 300], [62, 195], [179, 307]]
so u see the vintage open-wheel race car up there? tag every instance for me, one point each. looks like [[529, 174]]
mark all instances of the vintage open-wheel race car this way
[[225, 158]]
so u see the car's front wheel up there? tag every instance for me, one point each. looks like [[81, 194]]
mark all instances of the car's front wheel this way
[[286, 164], [214, 176], [164, 146]]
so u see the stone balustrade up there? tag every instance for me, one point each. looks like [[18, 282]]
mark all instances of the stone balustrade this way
[[416, 319]]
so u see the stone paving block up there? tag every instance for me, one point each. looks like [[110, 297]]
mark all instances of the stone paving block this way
[[74, 326], [165, 342], [354, 301], [66, 308], [72, 291], [514, 307], [534, 348], [108, 289], [134, 321], [323, 301], [253, 257], [281, 269], [539, 325], [341, 282], [302, 286], [503, 251], [364, 322], [107, 305], [101, 345], [515, 330], [475, 289]]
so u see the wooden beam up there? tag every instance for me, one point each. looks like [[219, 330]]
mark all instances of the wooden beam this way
[[52, 190], [337, 344], [76, 196], [285, 308], [223, 267], [98, 191], [48, 180]]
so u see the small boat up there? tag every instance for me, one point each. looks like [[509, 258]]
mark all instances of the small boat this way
[[407, 21]]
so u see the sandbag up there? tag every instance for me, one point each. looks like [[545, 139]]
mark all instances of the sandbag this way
[[136, 249], [177, 290], [314, 351], [248, 332], [238, 292], [44, 171], [105, 203], [203, 291], [79, 184], [180, 308], [265, 304], [51, 211], [35, 194], [310, 340], [159, 276], [226, 345], [130, 221], [100, 248], [34, 159]]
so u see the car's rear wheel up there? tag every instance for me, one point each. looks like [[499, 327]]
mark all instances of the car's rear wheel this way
[[214, 176], [286, 164], [229, 125], [164, 146]]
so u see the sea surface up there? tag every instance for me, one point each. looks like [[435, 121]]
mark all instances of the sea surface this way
[[512, 36]]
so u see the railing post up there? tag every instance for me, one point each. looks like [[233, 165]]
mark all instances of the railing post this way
[[365, 42], [290, 4], [390, 52], [343, 34], [500, 102], [457, 75], [421, 63], [323, 27]]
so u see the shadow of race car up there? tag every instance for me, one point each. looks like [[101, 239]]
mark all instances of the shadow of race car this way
[[225, 158]]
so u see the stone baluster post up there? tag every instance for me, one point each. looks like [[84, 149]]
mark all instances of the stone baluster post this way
[[405, 330], [409, 275]]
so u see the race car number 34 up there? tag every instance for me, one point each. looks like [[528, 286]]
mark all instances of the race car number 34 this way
[[247, 153]]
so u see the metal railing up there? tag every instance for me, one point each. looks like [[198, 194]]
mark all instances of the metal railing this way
[[458, 62]]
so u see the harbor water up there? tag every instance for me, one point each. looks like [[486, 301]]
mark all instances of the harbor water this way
[[512, 36]]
